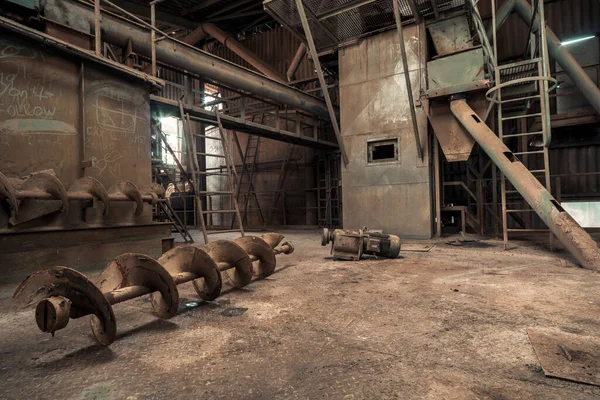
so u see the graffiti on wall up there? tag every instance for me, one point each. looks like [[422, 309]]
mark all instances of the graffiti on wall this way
[[118, 127], [37, 117]]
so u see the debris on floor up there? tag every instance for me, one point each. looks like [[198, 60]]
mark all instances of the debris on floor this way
[[418, 247], [567, 356]]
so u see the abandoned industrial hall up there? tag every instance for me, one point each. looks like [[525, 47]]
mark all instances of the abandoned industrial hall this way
[[299, 199]]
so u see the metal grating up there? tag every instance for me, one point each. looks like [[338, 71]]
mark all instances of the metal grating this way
[[350, 24]]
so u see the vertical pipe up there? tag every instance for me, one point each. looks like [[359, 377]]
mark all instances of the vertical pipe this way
[[82, 155], [315, 57], [97, 38], [153, 37], [438, 183], [293, 68], [574, 237], [411, 101]]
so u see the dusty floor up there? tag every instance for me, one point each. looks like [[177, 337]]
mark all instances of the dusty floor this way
[[427, 325]]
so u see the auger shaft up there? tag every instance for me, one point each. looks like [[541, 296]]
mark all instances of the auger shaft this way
[[63, 293], [39, 195]]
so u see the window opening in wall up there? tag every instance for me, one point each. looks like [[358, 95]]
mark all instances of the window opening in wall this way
[[171, 128], [382, 151]]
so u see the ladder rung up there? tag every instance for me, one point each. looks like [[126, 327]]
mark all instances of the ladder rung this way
[[526, 230], [519, 63], [519, 211], [210, 155], [520, 99], [529, 152], [537, 171], [211, 173], [522, 116], [218, 211], [524, 134], [511, 191], [207, 137], [216, 192]]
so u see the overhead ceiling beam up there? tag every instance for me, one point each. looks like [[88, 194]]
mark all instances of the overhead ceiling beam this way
[[200, 7], [161, 16], [320, 24], [228, 8], [346, 7], [415, 11], [237, 15], [435, 9]]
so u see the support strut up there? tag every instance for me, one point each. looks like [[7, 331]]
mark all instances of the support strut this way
[[63, 293], [567, 230]]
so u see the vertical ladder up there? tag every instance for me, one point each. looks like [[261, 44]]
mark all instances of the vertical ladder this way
[[328, 191], [519, 102], [227, 193], [245, 184], [281, 183], [250, 157]]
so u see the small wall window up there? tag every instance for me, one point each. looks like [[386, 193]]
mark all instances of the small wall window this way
[[382, 151]]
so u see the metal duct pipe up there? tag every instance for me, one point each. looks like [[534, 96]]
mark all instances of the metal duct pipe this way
[[118, 31], [559, 53], [567, 230], [229, 41], [300, 53]]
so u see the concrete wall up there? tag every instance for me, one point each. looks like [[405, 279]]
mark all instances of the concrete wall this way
[[393, 196]]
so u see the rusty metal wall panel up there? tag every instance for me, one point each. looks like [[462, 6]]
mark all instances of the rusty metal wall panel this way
[[117, 135], [394, 196], [39, 111]]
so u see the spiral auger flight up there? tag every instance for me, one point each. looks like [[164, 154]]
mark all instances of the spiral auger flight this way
[[62, 293], [19, 193]]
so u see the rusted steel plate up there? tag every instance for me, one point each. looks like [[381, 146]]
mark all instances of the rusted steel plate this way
[[567, 356]]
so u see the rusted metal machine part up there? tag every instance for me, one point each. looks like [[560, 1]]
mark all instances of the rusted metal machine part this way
[[32, 187], [130, 191], [351, 244], [566, 229], [119, 31], [85, 297], [63, 293], [90, 186], [558, 52], [18, 193]]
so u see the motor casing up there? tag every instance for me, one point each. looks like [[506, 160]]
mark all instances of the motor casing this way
[[351, 244]]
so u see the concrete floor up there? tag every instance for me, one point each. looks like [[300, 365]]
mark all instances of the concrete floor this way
[[426, 325]]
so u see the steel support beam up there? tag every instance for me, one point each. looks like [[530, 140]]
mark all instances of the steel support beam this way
[[559, 53], [567, 230], [315, 57], [119, 31], [409, 93], [167, 107]]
